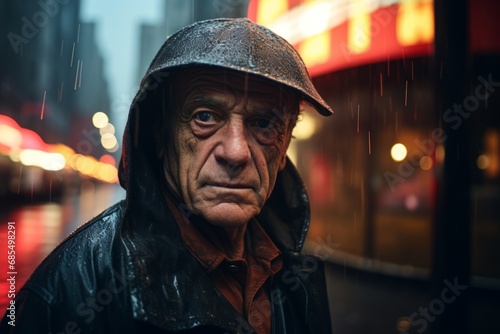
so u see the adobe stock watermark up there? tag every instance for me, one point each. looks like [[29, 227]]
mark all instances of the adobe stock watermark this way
[[437, 306], [30, 27], [454, 117], [380, 20]]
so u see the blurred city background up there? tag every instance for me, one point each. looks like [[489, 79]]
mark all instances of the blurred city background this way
[[404, 178]]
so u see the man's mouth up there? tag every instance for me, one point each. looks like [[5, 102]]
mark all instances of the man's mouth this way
[[230, 185]]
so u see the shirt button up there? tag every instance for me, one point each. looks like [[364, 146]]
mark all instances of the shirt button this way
[[233, 268]]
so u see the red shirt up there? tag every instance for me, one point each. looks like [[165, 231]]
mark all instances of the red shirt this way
[[243, 281]]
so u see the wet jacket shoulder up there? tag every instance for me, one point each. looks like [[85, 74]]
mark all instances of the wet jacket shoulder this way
[[70, 287]]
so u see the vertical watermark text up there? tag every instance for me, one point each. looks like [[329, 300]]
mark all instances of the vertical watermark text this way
[[11, 272]]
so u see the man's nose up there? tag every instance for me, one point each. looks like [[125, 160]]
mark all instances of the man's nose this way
[[234, 147]]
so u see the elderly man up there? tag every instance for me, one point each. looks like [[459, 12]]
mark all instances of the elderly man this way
[[208, 239]]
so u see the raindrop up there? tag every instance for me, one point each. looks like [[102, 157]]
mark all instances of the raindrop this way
[[77, 71], [357, 128], [406, 94], [62, 48], [78, 34], [369, 143], [80, 79], [72, 55], [43, 104], [61, 91]]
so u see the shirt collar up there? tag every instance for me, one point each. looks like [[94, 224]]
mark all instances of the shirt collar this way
[[208, 253]]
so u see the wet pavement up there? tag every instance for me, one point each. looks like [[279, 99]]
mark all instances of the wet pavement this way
[[35, 229]]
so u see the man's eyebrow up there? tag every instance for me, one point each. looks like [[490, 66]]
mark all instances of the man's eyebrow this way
[[204, 101], [269, 112]]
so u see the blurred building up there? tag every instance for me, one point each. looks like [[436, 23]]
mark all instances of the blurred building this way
[[178, 14], [47, 55], [51, 84]]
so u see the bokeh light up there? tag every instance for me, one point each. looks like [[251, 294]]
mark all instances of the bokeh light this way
[[398, 152], [100, 120]]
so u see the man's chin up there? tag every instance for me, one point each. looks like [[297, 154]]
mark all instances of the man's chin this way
[[229, 214]]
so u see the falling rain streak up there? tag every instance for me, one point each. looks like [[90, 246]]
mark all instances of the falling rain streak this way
[[406, 93], [369, 143], [62, 48], [61, 92], [77, 71], [43, 104], [72, 55], [80, 78], [357, 126]]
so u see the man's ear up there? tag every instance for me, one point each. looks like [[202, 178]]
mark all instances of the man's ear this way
[[282, 162]]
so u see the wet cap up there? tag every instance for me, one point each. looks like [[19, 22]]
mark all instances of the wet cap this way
[[240, 45]]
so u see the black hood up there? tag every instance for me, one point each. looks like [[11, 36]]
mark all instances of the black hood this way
[[232, 44]]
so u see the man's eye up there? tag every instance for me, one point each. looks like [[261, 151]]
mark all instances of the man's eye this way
[[265, 130], [263, 123], [205, 117]]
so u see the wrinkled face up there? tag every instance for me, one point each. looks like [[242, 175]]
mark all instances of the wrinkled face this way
[[230, 138]]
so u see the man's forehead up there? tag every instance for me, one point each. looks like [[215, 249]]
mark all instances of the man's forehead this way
[[221, 84], [230, 78]]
